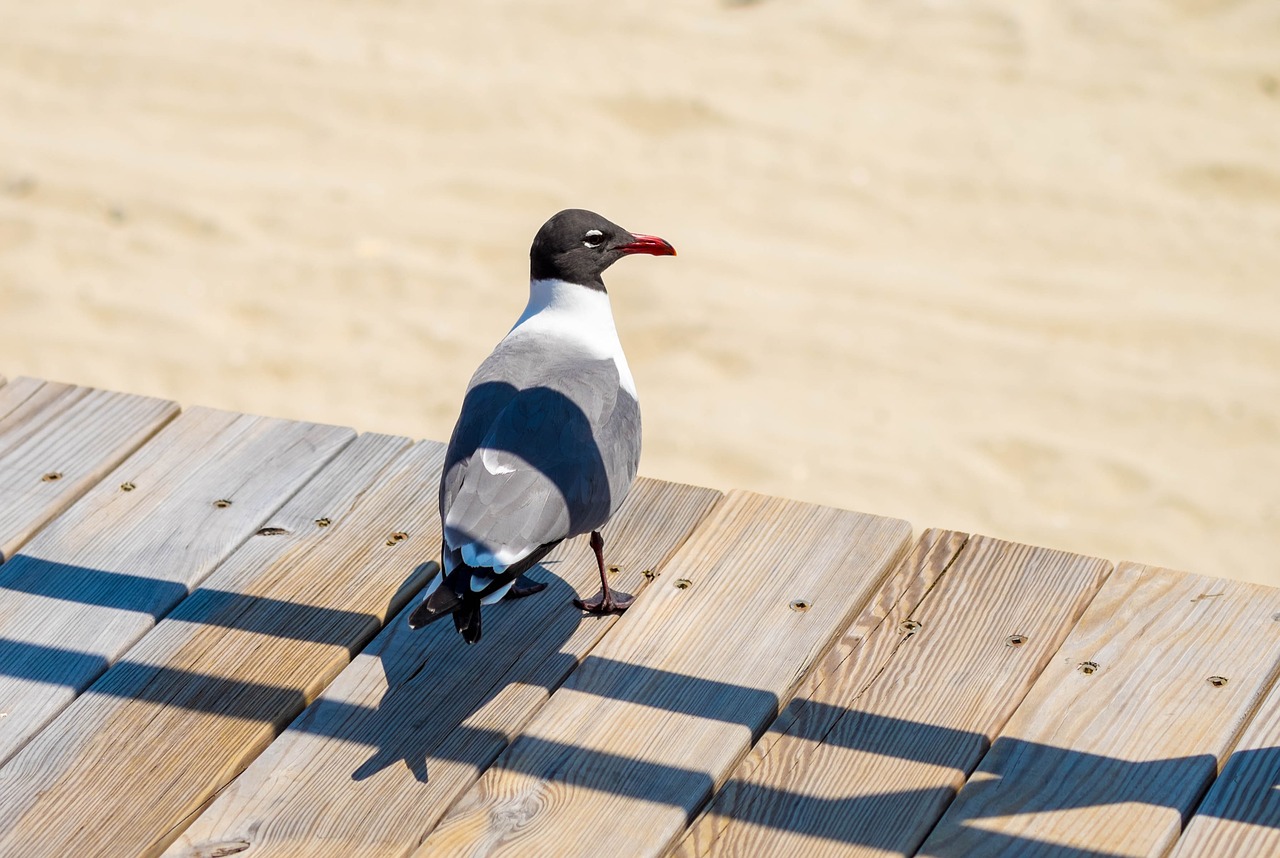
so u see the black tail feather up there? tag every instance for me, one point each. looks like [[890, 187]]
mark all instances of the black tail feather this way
[[467, 620], [441, 603], [465, 608]]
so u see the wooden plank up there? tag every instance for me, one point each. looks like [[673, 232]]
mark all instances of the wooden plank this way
[[637, 739], [57, 440], [156, 736], [1241, 813], [384, 741], [97, 578], [875, 747], [1124, 730]]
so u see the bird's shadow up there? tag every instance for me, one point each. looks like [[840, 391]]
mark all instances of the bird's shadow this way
[[436, 682]]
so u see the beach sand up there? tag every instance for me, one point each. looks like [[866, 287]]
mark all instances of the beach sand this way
[[1008, 267]]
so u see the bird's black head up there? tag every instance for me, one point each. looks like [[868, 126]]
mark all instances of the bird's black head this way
[[577, 246]]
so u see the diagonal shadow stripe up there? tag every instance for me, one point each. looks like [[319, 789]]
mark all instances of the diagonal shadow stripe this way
[[69, 583], [1086, 780], [210, 606]]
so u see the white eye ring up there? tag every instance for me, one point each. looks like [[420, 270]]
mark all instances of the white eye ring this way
[[593, 238]]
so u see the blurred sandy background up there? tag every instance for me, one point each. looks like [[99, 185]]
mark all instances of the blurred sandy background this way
[[1003, 266]]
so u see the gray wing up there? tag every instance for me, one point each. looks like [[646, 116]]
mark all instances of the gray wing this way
[[557, 460]]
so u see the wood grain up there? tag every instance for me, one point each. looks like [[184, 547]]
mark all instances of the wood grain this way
[[159, 733], [57, 440], [1123, 732], [410, 724], [1241, 813], [873, 753], [637, 739], [97, 578]]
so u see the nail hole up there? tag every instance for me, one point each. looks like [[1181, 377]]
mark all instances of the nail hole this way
[[323, 522], [800, 605], [909, 626], [1217, 681], [614, 570], [1015, 640], [1276, 617], [1087, 667], [398, 536], [52, 477], [272, 531], [222, 504], [127, 487], [649, 574], [683, 583]]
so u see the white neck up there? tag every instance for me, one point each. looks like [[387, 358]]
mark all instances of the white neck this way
[[575, 314]]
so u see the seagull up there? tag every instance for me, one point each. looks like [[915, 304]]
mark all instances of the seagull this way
[[548, 440]]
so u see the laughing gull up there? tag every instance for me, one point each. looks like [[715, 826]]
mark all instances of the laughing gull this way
[[548, 441]]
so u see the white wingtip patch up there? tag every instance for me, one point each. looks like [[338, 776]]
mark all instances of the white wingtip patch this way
[[478, 558], [497, 594], [492, 465]]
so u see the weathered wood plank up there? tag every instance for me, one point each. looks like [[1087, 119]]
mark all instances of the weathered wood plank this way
[[1124, 730], [194, 701], [873, 752], [640, 735], [384, 741], [1241, 813], [96, 578], [57, 440]]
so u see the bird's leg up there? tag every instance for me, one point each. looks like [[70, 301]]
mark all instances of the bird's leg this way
[[608, 602], [524, 586]]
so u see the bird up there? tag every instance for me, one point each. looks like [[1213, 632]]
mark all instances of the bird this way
[[547, 442]]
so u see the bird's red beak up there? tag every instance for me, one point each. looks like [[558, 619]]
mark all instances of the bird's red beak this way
[[649, 244]]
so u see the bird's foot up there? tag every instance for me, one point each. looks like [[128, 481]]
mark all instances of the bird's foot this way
[[605, 603], [523, 587]]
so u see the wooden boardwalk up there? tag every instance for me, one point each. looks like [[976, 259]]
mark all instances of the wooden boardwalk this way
[[203, 652]]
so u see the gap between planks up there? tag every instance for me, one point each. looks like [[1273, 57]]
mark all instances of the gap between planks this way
[[408, 726], [56, 441], [643, 732], [96, 578], [870, 752], [1240, 815], [1124, 730], [210, 686]]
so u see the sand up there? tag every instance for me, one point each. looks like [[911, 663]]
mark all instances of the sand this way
[[1010, 267]]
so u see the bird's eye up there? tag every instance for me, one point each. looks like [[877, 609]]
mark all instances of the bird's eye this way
[[593, 238]]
